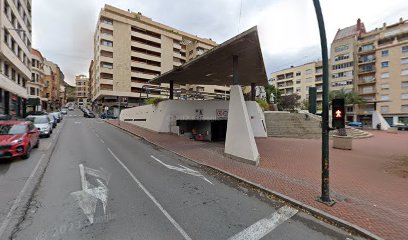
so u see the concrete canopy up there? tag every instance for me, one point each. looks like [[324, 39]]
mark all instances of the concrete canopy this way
[[215, 66]]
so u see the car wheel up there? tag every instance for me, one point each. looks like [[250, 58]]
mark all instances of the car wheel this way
[[28, 152], [37, 144], [48, 135]]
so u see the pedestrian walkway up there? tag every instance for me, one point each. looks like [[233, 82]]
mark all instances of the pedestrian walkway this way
[[368, 183]]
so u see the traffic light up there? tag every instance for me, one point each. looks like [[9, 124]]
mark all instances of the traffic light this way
[[338, 112]]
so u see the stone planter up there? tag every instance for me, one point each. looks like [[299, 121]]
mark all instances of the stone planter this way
[[342, 142]]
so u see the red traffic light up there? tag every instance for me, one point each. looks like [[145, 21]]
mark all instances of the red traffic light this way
[[339, 114]]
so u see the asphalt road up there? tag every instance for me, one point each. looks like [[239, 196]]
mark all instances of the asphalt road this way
[[95, 181]]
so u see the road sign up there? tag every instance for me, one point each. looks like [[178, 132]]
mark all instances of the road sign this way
[[338, 113]]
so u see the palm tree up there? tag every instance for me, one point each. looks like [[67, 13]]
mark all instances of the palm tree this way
[[350, 97]]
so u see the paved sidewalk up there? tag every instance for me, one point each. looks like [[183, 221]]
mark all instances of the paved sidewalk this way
[[369, 183]]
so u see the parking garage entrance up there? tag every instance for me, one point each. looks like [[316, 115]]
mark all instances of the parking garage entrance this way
[[203, 130]]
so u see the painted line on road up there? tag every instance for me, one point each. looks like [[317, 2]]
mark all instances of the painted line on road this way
[[97, 135], [170, 218], [183, 169], [17, 201], [102, 140], [264, 226]]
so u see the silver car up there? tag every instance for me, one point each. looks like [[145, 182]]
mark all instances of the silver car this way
[[42, 123]]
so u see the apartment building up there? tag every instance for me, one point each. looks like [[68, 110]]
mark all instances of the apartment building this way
[[82, 84], [298, 80], [36, 100], [130, 49], [383, 72], [15, 55], [53, 79]]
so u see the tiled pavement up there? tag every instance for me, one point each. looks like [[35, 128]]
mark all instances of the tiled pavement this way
[[368, 182]]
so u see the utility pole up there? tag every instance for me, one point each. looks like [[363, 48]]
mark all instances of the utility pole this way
[[325, 196]]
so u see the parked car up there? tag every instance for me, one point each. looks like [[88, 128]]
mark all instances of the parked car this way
[[70, 108], [17, 138], [89, 114], [58, 116], [53, 120], [108, 115], [64, 111], [5, 117], [42, 123], [355, 124]]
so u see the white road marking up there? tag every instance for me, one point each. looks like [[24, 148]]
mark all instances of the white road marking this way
[[102, 140], [97, 135], [88, 197], [264, 226], [170, 218], [183, 169], [17, 201], [77, 122]]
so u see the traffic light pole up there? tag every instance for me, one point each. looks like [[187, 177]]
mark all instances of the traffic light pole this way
[[325, 197]]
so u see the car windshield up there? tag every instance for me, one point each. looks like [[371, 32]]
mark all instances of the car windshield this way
[[12, 129], [38, 119]]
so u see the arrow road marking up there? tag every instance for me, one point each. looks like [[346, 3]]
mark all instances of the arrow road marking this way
[[88, 197], [264, 226], [182, 169]]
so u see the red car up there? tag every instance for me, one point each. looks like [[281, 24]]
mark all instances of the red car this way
[[17, 138]]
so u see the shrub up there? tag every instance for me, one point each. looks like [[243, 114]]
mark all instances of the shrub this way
[[262, 103], [154, 101]]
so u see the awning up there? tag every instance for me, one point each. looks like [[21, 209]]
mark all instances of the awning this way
[[215, 66]]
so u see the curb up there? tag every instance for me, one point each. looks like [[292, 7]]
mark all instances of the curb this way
[[314, 211]]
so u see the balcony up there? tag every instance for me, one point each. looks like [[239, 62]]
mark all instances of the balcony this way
[[146, 37], [366, 49], [145, 46], [366, 61], [366, 69]]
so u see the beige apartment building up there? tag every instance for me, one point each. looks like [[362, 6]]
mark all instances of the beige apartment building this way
[[130, 49], [383, 72], [53, 80], [298, 80], [373, 64], [82, 85], [36, 100], [15, 55]]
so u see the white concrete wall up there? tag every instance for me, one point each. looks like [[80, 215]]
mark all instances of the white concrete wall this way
[[378, 118], [163, 117]]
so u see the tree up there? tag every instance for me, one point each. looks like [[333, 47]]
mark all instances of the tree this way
[[289, 102], [305, 104], [270, 91]]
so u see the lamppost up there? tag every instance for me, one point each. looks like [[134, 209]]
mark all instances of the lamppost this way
[[325, 196]]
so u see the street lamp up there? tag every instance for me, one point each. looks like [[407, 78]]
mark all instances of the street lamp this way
[[325, 196]]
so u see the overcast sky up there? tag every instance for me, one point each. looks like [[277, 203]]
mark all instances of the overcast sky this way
[[63, 30]]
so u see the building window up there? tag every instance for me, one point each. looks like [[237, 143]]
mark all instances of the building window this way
[[385, 64], [385, 86], [404, 84], [385, 97], [107, 43], [404, 96], [6, 70], [404, 72], [309, 80], [33, 77], [298, 73], [107, 21], [106, 65], [32, 91], [404, 108], [384, 53], [385, 75], [298, 81], [343, 74], [384, 109], [404, 60], [341, 48], [404, 49], [13, 74], [308, 71], [342, 65], [6, 37], [342, 57]]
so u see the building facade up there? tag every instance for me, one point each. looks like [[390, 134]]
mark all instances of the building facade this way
[[131, 49], [383, 72], [15, 56], [53, 80], [36, 99], [298, 80], [374, 64], [82, 82]]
